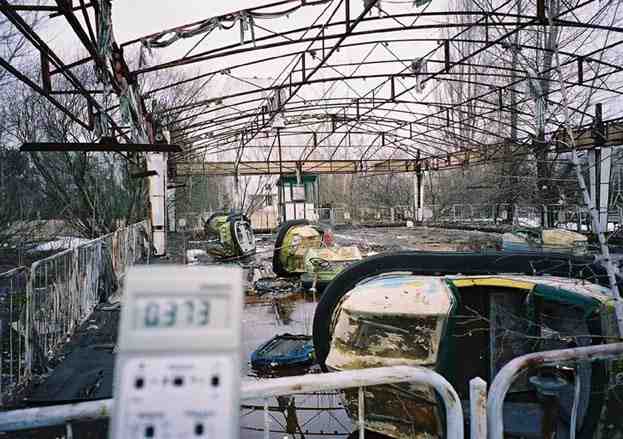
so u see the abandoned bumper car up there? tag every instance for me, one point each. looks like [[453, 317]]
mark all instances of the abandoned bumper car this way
[[545, 240], [230, 235], [308, 250], [455, 313]]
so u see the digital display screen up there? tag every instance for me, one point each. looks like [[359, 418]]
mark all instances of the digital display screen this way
[[182, 312]]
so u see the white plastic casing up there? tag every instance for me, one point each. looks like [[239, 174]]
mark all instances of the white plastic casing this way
[[179, 376]]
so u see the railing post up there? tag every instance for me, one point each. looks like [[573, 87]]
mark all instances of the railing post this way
[[361, 418], [266, 420], [478, 408]]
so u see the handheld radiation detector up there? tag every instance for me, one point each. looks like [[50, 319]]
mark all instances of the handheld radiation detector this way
[[177, 372]]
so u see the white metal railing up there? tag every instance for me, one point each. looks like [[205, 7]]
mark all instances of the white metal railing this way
[[34, 418], [507, 375], [570, 217], [62, 290]]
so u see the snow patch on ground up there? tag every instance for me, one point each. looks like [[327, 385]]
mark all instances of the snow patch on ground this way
[[62, 243]]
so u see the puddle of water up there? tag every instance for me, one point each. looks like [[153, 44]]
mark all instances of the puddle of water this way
[[303, 416]]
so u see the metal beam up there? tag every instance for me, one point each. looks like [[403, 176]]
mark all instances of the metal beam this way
[[98, 147]]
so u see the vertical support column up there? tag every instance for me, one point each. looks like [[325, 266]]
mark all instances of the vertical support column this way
[[237, 200], [478, 408], [418, 194], [282, 194], [593, 160], [605, 166], [158, 201]]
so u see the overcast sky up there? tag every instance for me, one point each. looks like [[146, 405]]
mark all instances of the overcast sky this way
[[135, 18]]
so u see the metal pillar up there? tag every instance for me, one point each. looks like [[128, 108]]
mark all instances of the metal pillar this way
[[605, 166], [593, 176], [282, 194], [158, 201], [600, 165], [418, 195]]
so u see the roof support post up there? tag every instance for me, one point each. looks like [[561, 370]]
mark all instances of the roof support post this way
[[347, 13], [540, 12], [446, 51], [580, 70], [45, 72]]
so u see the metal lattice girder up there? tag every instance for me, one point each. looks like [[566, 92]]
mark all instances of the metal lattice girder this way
[[405, 126], [292, 167], [49, 58]]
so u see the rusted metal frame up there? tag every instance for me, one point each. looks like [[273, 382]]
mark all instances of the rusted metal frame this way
[[236, 50], [372, 131], [452, 123], [87, 20], [339, 166], [207, 123], [367, 19], [514, 31], [219, 139], [478, 98], [195, 128], [468, 64], [281, 103], [74, 8], [425, 134], [226, 16], [65, 7], [229, 16], [408, 90], [426, 143], [235, 47], [29, 8], [214, 149], [101, 147], [186, 107], [42, 47], [507, 375], [177, 110], [517, 28], [568, 23], [23, 78], [356, 44]]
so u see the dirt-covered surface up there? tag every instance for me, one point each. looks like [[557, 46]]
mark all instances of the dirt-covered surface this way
[[84, 370]]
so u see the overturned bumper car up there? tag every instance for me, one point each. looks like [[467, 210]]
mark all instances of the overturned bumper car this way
[[230, 235], [459, 315], [545, 240], [307, 250]]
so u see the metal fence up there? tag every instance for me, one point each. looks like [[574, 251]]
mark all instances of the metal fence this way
[[51, 299], [570, 217], [486, 411], [263, 390]]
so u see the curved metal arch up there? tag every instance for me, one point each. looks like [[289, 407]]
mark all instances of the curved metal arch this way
[[573, 58], [237, 128], [235, 49], [383, 122], [340, 79]]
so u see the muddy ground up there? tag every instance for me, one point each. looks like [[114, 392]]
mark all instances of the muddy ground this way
[[85, 367]]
